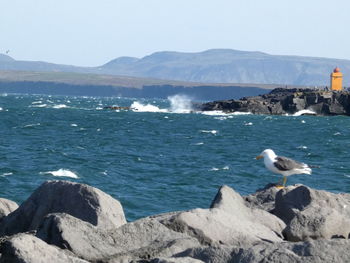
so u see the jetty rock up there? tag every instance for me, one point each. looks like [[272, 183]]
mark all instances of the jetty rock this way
[[70, 222], [282, 101]]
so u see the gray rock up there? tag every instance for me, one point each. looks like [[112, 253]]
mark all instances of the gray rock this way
[[6, 207], [314, 214], [212, 254], [25, 248], [263, 198], [228, 222], [82, 201], [303, 252], [143, 239], [176, 260]]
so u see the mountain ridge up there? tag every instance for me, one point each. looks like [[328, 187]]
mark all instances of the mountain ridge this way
[[209, 66]]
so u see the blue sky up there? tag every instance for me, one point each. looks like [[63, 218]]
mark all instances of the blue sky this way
[[91, 32]]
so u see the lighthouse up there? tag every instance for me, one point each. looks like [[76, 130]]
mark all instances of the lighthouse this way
[[336, 79]]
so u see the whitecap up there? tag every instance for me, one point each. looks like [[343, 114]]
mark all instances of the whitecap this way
[[1, 109], [248, 123], [60, 106], [99, 108], [74, 125], [62, 173], [302, 147], [139, 107], [214, 169], [302, 121], [212, 131], [31, 125], [37, 102], [337, 133], [221, 118], [199, 143], [226, 167], [39, 105], [304, 112], [6, 174]]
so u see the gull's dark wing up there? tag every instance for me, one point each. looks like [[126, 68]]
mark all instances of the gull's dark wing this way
[[286, 164]]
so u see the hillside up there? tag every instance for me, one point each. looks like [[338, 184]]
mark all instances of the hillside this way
[[211, 66]]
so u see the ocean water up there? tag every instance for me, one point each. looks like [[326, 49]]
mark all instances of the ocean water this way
[[160, 156]]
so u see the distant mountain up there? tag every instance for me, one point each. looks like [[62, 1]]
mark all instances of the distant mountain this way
[[211, 66]]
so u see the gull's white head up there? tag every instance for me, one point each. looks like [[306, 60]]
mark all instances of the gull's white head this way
[[268, 153]]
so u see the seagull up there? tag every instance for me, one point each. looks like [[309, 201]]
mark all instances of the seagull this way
[[283, 165]]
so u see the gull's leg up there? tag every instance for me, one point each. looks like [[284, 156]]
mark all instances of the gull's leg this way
[[284, 181]]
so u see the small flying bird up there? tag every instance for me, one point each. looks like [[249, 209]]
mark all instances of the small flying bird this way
[[283, 165], [7, 51]]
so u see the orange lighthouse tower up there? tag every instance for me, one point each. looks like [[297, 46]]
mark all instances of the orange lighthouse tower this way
[[336, 79]]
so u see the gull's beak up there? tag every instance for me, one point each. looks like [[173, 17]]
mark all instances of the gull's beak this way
[[259, 157]]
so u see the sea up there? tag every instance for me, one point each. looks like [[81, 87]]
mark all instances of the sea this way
[[160, 155]]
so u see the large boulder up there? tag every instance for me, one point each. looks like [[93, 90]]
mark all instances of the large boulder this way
[[6, 207], [263, 198], [143, 239], [300, 252], [25, 248], [79, 200], [314, 214], [335, 250], [228, 222]]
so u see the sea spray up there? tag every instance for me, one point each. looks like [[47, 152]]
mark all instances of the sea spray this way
[[180, 104]]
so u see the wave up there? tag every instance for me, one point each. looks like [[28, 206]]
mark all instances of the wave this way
[[60, 106], [304, 112], [222, 113], [62, 173], [139, 107], [211, 131]]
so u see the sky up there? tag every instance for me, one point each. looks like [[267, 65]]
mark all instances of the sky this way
[[93, 32]]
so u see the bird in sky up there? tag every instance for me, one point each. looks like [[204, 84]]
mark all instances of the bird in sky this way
[[283, 165]]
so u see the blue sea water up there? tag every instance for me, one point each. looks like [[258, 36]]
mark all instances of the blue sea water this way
[[153, 160]]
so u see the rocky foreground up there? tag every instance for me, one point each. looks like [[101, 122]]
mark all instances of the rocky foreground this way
[[282, 101], [70, 222]]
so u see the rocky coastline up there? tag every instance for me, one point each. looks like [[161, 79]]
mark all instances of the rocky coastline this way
[[281, 101], [294, 224]]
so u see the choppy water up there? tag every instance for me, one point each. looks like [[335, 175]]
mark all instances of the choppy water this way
[[157, 161]]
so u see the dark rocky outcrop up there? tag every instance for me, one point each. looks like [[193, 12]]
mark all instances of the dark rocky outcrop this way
[[294, 224], [287, 101]]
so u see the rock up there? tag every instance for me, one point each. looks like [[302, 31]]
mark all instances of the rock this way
[[25, 248], [143, 239], [6, 207], [314, 214], [176, 260], [211, 254], [287, 101], [301, 252], [82, 201], [227, 222], [263, 198]]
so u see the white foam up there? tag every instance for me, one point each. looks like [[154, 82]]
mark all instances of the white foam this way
[[37, 102], [74, 125], [302, 147], [248, 124], [139, 107], [222, 113], [60, 106], [303, 112], [180, 104], [6, 174], [199, 143], [62, 173], [32, 125], [40, 105], [212, 131], [1, 108], [214, 169]]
